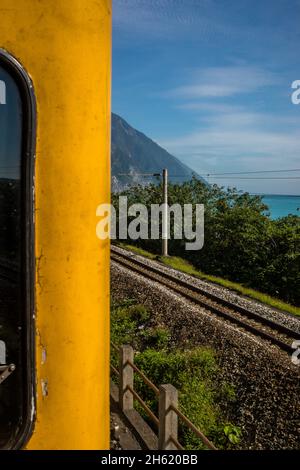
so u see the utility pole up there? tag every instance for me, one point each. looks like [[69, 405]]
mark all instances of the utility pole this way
[[165, 210], [165, 214]]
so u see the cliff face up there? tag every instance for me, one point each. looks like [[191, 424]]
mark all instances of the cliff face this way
[[133, 152]]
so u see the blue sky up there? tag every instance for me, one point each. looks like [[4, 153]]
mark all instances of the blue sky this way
[[210, 81]]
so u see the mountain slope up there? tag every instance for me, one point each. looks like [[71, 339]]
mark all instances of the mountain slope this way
[[133, 152]]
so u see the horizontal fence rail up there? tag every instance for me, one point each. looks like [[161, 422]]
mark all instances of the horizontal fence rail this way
[[193, 428], [145, 407], [167, 420], [145, 379], [115, 371]]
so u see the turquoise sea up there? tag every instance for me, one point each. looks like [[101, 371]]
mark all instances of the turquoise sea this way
[[280, 206]]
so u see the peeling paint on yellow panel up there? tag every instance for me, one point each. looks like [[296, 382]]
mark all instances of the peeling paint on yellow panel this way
[[65, 46]]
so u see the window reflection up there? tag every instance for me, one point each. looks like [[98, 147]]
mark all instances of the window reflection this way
[[11, 390]]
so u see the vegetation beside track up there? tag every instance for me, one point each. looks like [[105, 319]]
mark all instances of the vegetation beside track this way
[[186, 267], [203, 397], [244, 249]]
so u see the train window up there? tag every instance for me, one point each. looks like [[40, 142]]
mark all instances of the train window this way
[[16, 253]]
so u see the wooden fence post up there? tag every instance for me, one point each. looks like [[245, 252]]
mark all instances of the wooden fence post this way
[[168, 419], [126, 378]]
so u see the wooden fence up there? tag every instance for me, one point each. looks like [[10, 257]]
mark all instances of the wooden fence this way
[[167, 396]]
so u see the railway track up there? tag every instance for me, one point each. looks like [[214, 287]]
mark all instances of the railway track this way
[[249, 320]]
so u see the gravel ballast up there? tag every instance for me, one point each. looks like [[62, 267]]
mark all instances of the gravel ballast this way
[[266, 382], [271, 313]]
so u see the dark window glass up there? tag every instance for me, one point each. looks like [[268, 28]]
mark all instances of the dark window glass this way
[[12, 391]]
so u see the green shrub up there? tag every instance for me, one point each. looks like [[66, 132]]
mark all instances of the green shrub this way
[[139, 313], [123, 326], [266, 252], [158, 338], [193, 372]]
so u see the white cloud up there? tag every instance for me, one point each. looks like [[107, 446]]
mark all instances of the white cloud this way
[[232, 139], [224, 82], [209, 107], [168, 18], [241, 139], [228, 134]]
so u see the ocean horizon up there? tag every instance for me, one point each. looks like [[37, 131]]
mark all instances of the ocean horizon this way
[[281, 205]]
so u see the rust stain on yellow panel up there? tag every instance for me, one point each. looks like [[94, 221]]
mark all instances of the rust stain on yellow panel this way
[[65, 46]]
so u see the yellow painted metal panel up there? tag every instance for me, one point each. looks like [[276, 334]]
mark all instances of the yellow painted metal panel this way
[[65, 46]]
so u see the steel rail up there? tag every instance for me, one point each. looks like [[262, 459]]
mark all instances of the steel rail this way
[[226, 303], [151, 272]]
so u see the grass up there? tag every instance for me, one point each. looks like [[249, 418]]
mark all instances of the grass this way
[[184, 266], [194, 372], [138, 251]]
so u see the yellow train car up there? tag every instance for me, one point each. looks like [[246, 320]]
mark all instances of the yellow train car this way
[[55, 76]]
